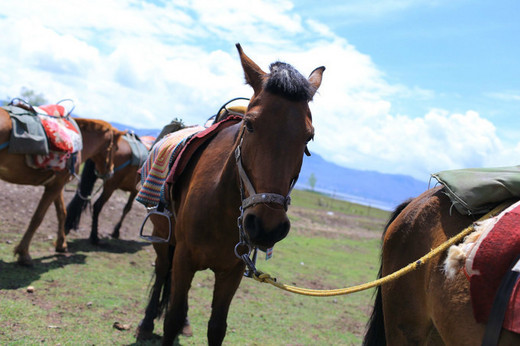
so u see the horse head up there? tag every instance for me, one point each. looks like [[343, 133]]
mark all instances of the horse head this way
[[99, 144], [272, 141]]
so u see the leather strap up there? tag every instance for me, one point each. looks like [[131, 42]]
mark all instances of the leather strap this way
[[500, 304]]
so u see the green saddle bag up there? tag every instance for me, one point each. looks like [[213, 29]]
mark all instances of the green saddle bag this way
[[478, 190], [28, 135]]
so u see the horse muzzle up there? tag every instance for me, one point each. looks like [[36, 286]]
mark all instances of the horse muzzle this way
[[265, 225]]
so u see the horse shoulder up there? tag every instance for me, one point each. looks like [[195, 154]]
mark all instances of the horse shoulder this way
[[5, 126], [201, 198]]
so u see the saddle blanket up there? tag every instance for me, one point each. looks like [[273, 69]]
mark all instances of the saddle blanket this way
[[140, 146], [63, 136], [154, 170], [169, 157], [488, 259]]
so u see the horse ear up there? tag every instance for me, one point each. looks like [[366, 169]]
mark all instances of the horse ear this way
[[254, 74], [315, 78]]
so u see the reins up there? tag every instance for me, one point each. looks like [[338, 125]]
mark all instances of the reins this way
[[103, 177], [264, 277]]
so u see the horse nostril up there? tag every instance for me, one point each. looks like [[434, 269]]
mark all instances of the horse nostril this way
[[252, 225], [284, 229]]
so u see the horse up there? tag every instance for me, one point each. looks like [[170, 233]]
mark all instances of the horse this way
[[424, 307], [245, 172], [124, 178], [99, 143]]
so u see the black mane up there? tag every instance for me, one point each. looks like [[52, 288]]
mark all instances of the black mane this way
[[286, 81]]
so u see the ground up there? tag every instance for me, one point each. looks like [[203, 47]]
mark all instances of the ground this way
[[18, 202]]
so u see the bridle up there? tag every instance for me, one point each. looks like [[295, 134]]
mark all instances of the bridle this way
[[109, 168], [253, 199]]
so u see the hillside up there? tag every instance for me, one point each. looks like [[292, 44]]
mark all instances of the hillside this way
[[365, 187]]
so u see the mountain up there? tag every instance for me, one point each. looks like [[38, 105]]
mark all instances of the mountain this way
[[376, 189], [139, 132], [381, 190]]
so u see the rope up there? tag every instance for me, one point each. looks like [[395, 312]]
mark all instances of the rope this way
[[266, 278]]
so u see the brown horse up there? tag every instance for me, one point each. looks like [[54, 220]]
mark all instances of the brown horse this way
[[124, 178], [424, 307], [216, 189], [99, 143]]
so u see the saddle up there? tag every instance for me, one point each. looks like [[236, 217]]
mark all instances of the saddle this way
[[478, 190], [155, 169], [139, 147], [487, 257], [46, 134], [170, 154]]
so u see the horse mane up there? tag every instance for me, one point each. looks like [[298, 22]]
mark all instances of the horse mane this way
[[94, 125], [286, 81]]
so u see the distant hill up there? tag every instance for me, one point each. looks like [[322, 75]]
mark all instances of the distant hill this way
[[373, 188], [365, 187], [139, 132]]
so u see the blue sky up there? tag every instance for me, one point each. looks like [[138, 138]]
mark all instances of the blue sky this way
[[411, 87]]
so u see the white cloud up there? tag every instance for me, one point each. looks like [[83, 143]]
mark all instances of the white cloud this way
[[509, 95], [141, 64]]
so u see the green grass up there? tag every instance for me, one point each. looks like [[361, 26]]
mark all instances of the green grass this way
[[79, 296], [309, 199]]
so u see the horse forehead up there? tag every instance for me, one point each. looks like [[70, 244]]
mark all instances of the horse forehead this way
[[279, 110]]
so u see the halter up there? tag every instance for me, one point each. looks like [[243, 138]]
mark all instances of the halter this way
[[253, 199]]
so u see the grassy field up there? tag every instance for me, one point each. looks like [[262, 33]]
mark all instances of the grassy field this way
[[79, 297]]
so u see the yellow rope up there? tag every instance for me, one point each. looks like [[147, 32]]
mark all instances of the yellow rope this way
[[264, 277]]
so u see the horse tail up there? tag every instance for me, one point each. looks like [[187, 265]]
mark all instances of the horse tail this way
[[375, 334], [81, 200], [166, 288]]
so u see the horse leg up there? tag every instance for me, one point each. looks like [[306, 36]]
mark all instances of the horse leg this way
[[49, 195], [406, 312], [61, 213], [96, 210], [226, 284], [126, 210], [182, 276], [162, 275]]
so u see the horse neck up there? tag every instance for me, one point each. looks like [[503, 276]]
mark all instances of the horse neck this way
[[94, 142], [226, 174]]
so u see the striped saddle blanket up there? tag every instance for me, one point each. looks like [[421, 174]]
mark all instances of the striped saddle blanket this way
[[157, 166], [169, 157]]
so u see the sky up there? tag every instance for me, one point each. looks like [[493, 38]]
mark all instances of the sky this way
[[411, 87]]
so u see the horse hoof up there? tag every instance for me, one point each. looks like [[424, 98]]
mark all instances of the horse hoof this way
[[187, 331], [143, 334], [61, 249], [25, 261]]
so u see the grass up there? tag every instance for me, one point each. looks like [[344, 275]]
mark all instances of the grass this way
[[79, 296]]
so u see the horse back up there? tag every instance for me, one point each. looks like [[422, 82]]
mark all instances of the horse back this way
[[5, 126], [13, 167], [424, 306]]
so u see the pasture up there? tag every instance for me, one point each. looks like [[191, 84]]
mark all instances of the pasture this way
[[82, 296]]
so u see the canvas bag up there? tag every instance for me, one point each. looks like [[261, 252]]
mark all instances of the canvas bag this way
[[478, 190], [28, 135]]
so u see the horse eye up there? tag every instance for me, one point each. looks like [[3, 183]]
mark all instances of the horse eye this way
[[310, 138], [249, 125]]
